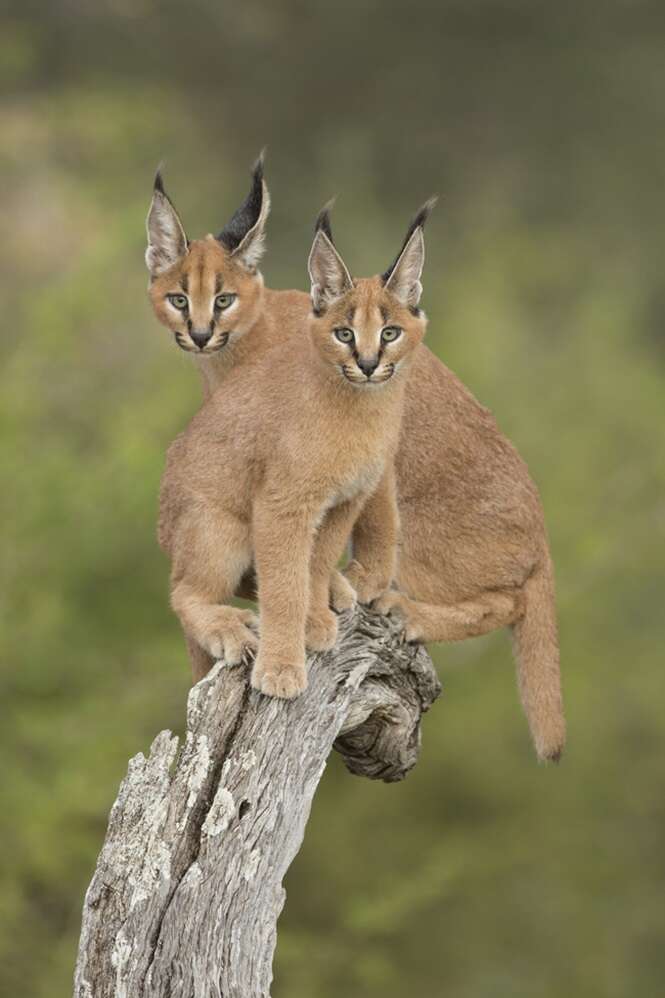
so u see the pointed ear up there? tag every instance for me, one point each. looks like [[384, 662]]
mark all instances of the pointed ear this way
[[167, 242], [244, 236], [402, 278], [327, 271]]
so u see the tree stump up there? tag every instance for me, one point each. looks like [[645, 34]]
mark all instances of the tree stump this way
[[188, 887]]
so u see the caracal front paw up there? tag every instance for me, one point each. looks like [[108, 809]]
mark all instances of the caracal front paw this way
[[276, 679], [400, 608], [230, 637], [321, 631], [342, 594], [369, 585]]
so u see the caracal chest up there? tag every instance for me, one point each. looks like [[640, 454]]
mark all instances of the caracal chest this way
[[353, 471]]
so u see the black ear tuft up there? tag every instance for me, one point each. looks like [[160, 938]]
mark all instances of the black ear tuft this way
[[247, 215], [417, 223], [322, 223], [167, 242], [159, 183]]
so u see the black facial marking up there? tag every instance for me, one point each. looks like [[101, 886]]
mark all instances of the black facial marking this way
[[218, 284], [247, 215], [384, 315], [417, 223], [350, 315], [184, 283]]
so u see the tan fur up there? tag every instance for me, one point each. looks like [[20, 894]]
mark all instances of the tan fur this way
[[274, 470], [473, 552]]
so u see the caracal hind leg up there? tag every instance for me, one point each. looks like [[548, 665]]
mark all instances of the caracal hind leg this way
[[342, 594], [329, 544], [200, 660], [247, 587], [374, 545], [212, 552], [427, 622]]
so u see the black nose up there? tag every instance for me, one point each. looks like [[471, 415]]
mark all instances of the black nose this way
[[200, 337], [368, 365]]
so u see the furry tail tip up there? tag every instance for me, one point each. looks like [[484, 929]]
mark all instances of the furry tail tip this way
[[538, 672]]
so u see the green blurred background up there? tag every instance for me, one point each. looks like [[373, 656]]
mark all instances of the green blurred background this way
[[542, 127]]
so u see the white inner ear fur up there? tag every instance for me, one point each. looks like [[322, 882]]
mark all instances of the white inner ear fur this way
[[167, 242], [327, 272], [253, 246], [404, 282]]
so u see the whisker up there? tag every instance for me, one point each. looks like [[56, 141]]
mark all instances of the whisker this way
[[182, 342]]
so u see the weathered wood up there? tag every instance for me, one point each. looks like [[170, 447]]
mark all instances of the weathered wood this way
[[188, 887]]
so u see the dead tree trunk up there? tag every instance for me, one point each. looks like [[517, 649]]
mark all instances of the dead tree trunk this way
[[188, 887]]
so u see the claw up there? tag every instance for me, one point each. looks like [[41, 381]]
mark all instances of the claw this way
[[231, 638]]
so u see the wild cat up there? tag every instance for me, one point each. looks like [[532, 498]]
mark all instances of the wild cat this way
[[275, 468], [210, 294], [473, 553]]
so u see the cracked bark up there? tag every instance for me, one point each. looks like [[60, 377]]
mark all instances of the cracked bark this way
[[188, 887]]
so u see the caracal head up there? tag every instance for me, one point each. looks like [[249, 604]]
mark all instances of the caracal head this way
[[208, 292], [367, 328]]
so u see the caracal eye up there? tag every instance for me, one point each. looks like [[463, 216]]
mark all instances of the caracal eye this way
[[223, 301], [391, 333], [178, 301], [344, 335]]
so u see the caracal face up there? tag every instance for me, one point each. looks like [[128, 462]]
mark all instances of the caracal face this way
[[368, 327], [207, 292], [367, 334], [208, 300]]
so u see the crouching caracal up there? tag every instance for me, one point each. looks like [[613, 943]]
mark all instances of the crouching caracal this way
[[275, 468], [210, 294]]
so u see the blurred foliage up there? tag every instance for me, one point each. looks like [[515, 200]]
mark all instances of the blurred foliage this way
[[541, 125]]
